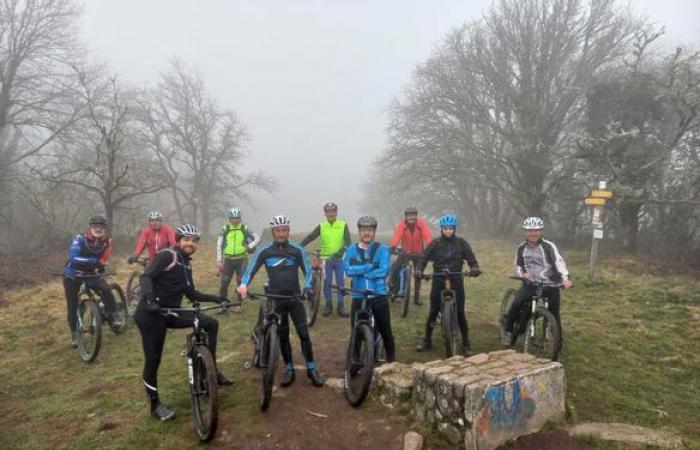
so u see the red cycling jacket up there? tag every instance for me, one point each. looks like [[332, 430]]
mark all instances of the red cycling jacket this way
[[155, 240], [412, 241]]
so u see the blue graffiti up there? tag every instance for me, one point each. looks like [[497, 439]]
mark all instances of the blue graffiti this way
[[505, 414]]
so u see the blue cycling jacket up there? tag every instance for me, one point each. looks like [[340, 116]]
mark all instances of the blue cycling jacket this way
[[368, 273]]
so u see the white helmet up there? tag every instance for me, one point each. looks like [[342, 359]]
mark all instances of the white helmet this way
[[187, 230], [234, 213], [533, 223], [279, 221], [155, 215]]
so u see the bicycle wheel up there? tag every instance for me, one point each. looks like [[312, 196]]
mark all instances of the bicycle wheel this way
[[133, 292], [448, 329], [545, 342], [506, 302], [313, 304], [406, 300], [359, 365], [269, 357], [204, 393], [89, 329], [121, 313]]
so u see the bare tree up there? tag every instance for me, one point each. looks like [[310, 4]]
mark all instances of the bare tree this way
[[199, 145], [99, 154]]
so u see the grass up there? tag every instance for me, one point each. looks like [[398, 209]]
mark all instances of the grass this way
[[631, 351]]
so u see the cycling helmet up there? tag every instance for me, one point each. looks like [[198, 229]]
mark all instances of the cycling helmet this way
[[98, 220], [187, 230], [234, 213], [330, 206], [367, 221], [279, 221], [449, 220], [533, 223], [410, 210], [155, 215]]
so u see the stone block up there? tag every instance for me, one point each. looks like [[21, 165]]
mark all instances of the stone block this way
[[481, 358]]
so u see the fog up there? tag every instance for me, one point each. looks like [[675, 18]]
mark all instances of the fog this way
[[310, 80]]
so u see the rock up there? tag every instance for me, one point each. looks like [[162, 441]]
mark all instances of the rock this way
[[412, 441], [336, 384], [632, 434], [478, 359], [450, 433]]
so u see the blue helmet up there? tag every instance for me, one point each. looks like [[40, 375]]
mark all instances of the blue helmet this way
[[449, 220]]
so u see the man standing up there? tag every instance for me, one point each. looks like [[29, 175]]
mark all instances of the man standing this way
[[335, 238], [235, 241], [155, 237], [413, 234]]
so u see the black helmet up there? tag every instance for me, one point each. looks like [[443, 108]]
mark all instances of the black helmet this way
[[367, 221], [98, 220], [330, 206], [187, 230], [410, 210]]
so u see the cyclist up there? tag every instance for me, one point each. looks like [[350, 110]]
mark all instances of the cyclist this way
[[413, 233], [235, 241], [155, 237], [89, 253], [448, 252], [335, 238], [283, 259], [163, 284], [367, 263], [536, 259]]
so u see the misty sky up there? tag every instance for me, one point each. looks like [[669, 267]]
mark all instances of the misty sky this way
[[311, 80]]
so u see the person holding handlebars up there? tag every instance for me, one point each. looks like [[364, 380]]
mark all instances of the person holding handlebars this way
[[540, 260], [448, 252], [163, 284]]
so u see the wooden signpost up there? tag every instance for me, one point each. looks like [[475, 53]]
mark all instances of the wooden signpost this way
[[597, 200]]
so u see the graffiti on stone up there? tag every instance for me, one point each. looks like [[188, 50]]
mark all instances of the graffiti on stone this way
[[508, 408]]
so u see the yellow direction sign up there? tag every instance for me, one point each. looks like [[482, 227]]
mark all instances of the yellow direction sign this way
[[601, 194], [595, 201]]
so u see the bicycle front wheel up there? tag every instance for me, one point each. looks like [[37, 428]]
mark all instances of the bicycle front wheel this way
[[406, 300], [359, 365], [313, 304], [121, 312], [88, 329], [449, 330], [269, 357], [133, 292], [506, 302], [204, 393], [543, 339]]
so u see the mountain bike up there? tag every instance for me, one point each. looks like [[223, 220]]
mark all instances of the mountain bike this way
[[201, 371], [267, 342], [448, 310], [366, 348], [133, 286], [312, 305], [534, 321], [406, 277], [91, 315]]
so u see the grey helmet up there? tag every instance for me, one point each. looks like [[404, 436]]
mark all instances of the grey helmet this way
[[367, 221]]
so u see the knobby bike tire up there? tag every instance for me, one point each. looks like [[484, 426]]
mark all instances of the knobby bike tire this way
[[406, 300], [547, 340], [204, 393], [359, 365], [133, 291], [269, 357], [121, 313], [447, 324], [313, 306], [506, 302], [89, 332]]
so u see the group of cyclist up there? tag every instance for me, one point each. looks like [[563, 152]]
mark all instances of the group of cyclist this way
[[168, 277]]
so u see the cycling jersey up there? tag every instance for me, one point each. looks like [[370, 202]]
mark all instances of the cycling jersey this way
[[235, 241], [335, 238], [448, 253], [542, 260], [87, 253], [282, 261], [414, 238], [154, 240], [368, 267]]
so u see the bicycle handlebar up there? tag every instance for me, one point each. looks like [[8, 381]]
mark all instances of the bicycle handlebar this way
[[255, 296], [197, 308], [344, 290], [448, 274], [537, 282], [84, 275]]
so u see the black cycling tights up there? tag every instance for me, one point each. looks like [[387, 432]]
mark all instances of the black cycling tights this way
[[153, 328], [382, 322], [457, 285], [296, 310], [71, 287]]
